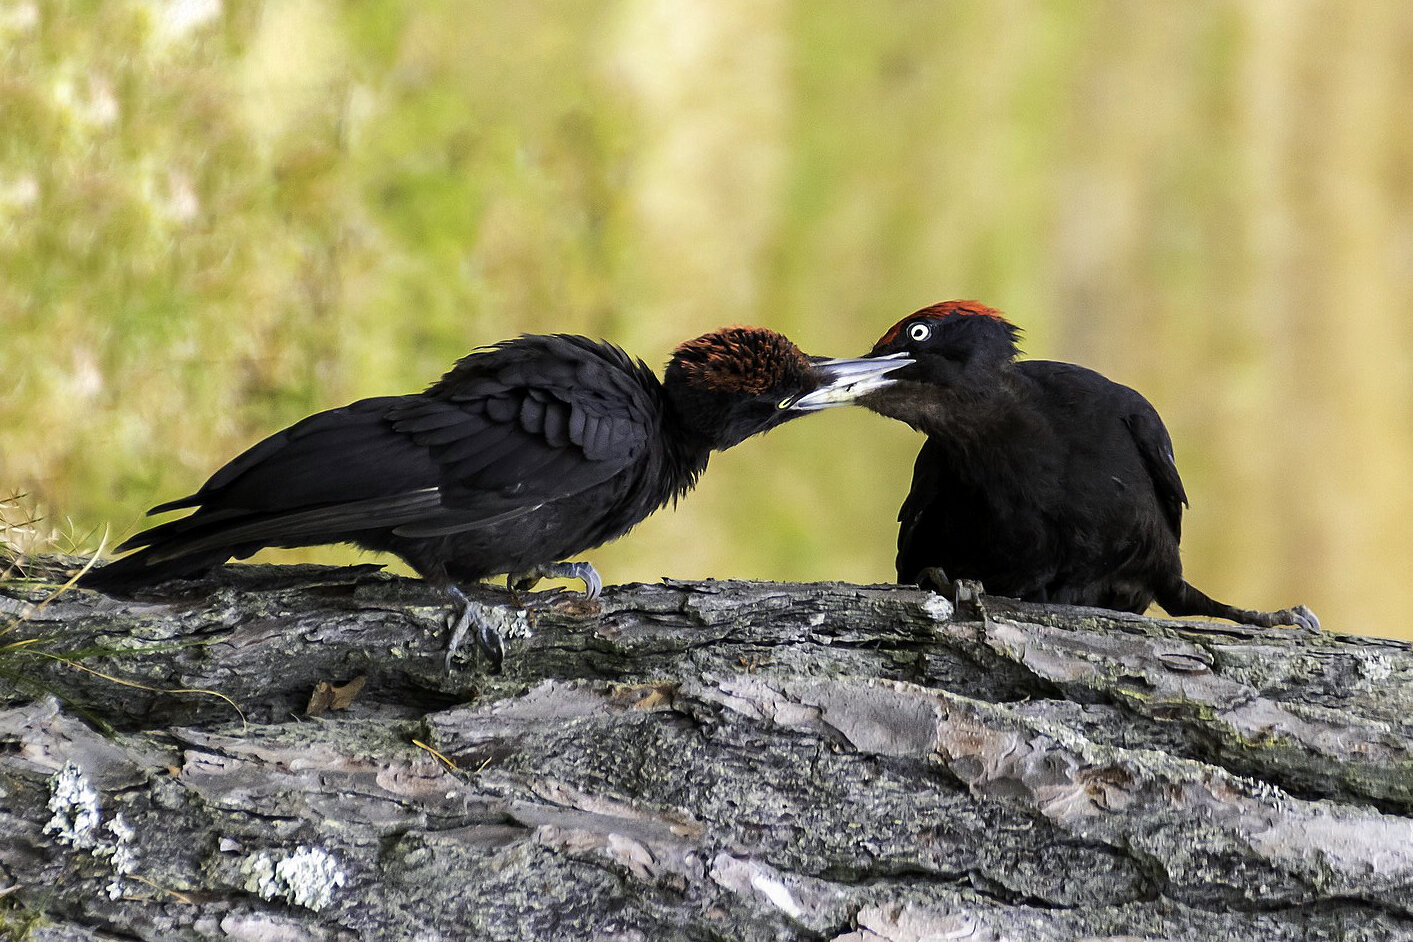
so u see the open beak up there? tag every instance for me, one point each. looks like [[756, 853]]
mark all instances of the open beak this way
[[843, 381]]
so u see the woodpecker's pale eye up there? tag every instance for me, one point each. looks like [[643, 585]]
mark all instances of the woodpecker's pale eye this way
[[919, 332], [785, 403]]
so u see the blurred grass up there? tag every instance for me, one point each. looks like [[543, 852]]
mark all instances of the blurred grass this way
[[217, 217]]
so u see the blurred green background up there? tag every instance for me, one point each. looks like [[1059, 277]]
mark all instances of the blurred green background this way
[[218, 216]]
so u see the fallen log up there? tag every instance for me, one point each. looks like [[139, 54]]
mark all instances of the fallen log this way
[[280, 753]]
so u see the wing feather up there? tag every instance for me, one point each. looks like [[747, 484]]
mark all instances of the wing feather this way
[[465, 455], [532, 413], [1156, 448], [501, 409], [562, 414], [556, 426]]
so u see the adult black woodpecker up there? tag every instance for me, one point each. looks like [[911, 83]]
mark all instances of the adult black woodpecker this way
[[526, 453], [1044, 481]]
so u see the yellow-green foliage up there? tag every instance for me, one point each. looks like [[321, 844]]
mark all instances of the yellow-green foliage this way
[[217, 216]]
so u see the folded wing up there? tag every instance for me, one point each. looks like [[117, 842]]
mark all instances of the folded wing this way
[[509, 429]]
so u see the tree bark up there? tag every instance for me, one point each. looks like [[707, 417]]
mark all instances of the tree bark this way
[[717, 760]]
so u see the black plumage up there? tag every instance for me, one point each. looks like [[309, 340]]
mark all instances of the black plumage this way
[[525, 453], [1045, 481]]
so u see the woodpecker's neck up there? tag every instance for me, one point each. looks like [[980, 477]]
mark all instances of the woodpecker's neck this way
[[688, 445], [990, 434], [710, 419], [977, 409]]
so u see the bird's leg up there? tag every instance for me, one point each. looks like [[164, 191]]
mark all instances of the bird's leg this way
[[487, 637], [1187, 600], [524, 581]]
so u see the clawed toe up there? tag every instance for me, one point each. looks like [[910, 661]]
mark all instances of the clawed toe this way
[[593, 585], [1302, 617], [1298, 617], [491, 645], [967, 590], [585, 572]]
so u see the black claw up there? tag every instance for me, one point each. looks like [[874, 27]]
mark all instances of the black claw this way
[[525, 581], [491, 645]]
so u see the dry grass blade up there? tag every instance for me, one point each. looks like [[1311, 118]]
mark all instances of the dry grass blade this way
[[451, 766]]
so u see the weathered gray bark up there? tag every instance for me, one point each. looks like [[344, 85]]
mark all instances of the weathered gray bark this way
[[691, 761]]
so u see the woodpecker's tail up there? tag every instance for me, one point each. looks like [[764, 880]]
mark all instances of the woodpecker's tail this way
[[140, 569], [179, 549]]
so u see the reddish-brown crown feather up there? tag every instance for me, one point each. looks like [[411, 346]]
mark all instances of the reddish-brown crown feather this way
[[938, 311], [751, 360]]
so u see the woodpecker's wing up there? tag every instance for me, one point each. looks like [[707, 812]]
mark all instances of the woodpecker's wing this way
[[1093, 402], [1155, 446], [928, 486], [510, 428], [341, 455], [522, 428], [335, 471]]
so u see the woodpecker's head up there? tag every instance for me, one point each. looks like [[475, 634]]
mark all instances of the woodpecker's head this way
[[733, 383], [951, 351], [950, 339]]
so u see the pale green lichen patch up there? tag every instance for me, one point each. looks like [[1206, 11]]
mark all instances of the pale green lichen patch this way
[[510, 621], [938, 607], [305, 878], [74, 802], [1373, 667], [78, 822], [123, 856]]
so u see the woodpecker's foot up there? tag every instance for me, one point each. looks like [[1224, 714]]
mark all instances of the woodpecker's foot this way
[[593, 585], [487, 637], [960, 592], [964, 594], [1299, 617]]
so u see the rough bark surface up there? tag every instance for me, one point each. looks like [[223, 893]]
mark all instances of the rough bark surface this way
[[720, 760]]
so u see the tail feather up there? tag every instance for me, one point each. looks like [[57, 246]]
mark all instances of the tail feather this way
[[144, 568], [175, 533], [181, 549]]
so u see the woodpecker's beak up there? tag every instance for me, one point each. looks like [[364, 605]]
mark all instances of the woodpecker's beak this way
[[843, 381]]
